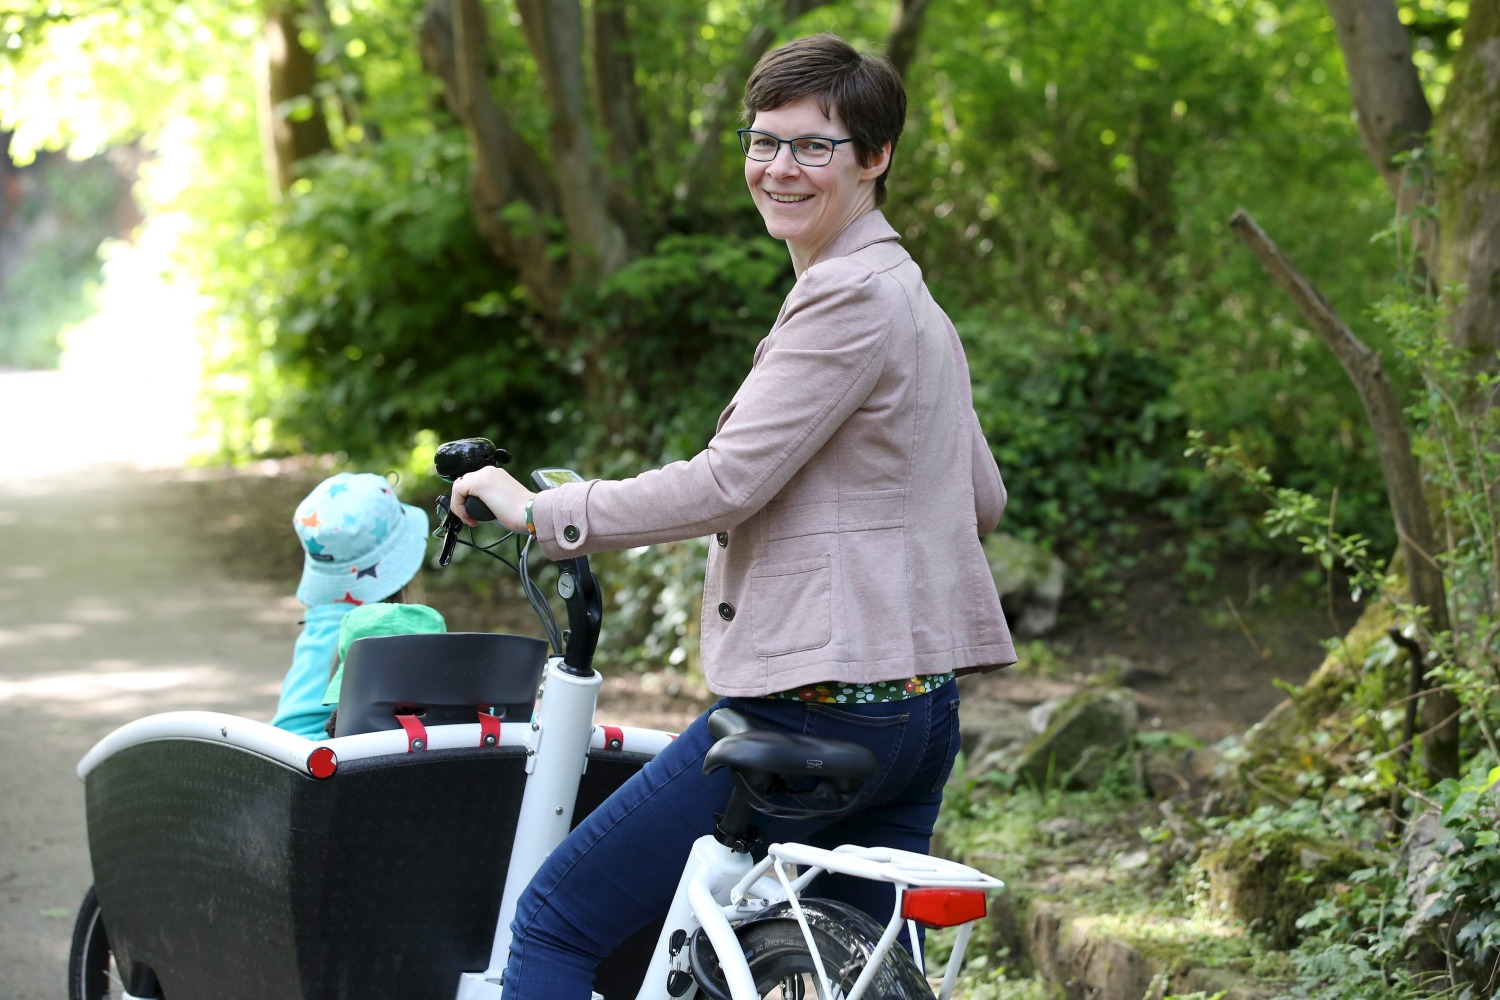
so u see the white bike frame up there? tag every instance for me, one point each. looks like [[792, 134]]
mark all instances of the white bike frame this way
[[718, 886]]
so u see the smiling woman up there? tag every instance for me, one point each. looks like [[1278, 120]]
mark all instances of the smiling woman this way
[[846, 489]]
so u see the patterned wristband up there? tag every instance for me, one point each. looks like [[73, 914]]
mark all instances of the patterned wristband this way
[[530, 520]]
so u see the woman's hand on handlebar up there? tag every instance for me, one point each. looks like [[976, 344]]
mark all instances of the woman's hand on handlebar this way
[[505, 497]]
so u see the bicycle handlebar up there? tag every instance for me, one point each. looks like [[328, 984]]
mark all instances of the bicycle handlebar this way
[[577, 586]]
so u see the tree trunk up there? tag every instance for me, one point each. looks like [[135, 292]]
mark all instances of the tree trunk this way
[[1462, 244], [1393, 114], [505, 174], [292, 123], [596, 245], [906, 29], [618, 100], [1468, 138], [350, 89]]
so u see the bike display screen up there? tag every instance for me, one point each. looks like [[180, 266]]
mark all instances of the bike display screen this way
[[547, 478]]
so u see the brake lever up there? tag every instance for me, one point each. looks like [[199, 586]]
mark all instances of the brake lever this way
[[450, 529]]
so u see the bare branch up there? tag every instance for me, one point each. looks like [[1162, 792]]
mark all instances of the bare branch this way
[[1403, 477]]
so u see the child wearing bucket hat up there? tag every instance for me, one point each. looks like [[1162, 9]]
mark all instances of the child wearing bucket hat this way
[[361, 545]]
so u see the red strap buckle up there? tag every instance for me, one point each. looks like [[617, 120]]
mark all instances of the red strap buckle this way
[[489, 730], [614, 738], [416, 733]]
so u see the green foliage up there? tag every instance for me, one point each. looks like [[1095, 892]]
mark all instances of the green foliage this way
[[380, 316], [1092, 182], [1456, 446], [1466, 889], [59, 230], [667, 339], [1085, 432], [1383, 936]]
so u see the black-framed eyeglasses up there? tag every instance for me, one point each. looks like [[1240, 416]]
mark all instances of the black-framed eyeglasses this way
[[808, 150]]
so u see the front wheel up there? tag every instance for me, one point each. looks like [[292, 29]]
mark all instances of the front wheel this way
[[91, 965], [783, 968]]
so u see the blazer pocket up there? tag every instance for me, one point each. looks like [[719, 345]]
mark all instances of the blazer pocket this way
[[791, 606]]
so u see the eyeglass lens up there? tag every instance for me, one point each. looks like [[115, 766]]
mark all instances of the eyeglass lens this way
[[808, 150]]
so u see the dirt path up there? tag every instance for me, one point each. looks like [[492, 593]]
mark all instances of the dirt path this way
[[110, 620], [108, 611]]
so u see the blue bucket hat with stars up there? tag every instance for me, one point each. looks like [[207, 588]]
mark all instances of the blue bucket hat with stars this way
[[361, 543]]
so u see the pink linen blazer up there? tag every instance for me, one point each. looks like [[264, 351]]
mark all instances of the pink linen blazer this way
[[847, 487]]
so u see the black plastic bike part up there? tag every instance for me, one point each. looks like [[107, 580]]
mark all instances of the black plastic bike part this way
[[789, 775], [776, 951], [726, 722], [792, 755], [585, 607], [478, 509], [441, 678], [229, 875], [459, 458], [450, 529], [732, 827], [678, 982]]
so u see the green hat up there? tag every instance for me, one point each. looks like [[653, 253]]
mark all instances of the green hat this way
[[380, 619]]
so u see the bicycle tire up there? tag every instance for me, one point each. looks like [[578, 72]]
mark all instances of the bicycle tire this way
[[90, 960], [782, 967]]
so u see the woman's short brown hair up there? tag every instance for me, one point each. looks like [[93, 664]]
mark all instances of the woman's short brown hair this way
[[865, 89]]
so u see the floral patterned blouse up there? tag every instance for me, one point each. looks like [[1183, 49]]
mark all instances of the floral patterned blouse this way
[[840, 693]]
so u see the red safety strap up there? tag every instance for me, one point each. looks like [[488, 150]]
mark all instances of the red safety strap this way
[[416, 733], [614, 738], [489, 730]]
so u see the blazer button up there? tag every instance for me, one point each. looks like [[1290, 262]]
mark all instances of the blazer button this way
[[726, 611], [722, 538], [571, 532]]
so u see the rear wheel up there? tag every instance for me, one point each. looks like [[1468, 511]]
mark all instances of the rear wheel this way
[[91, 965], [783, 968]]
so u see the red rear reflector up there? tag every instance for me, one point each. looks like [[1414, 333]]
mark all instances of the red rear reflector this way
[[322, 762], [942, 907]]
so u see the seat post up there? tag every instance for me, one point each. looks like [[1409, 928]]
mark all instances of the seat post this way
[[733, 828]]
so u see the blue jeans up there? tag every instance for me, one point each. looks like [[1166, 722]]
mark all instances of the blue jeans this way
[[618, 869]]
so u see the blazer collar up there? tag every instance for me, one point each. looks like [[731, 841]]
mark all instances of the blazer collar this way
[[864, 231]]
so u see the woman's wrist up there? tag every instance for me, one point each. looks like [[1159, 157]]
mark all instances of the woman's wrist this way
[[530, 519]]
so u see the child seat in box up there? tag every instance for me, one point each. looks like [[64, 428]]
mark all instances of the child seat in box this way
[[440, 678]]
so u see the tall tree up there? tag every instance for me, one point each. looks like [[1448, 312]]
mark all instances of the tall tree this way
[[1460, 243], [575, 213], [293, 125]]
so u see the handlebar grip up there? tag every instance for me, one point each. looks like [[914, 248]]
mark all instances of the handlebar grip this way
[[478, 509]]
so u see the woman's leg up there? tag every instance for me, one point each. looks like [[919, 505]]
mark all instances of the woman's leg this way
[[618, 869], [614, 873]]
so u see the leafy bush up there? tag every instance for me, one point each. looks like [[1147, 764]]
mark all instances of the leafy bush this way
[[379, 314]]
